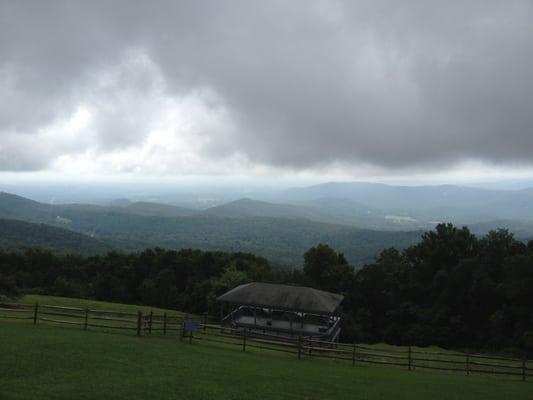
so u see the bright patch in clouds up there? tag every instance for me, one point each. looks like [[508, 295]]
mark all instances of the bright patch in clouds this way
[[128, 122]]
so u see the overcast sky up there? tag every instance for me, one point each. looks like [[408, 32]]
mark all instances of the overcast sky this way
[[349, 89]]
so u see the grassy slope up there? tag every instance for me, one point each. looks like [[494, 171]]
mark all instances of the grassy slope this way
[[108, 306], [60, 363], [92, 304]]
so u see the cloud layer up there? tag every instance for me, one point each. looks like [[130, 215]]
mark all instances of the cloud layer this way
[[214, 87]]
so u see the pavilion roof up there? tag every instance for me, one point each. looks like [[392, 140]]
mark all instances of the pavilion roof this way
[[285, 297]]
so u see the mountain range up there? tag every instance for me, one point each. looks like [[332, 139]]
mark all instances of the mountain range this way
[[259, 228], [358, 219]]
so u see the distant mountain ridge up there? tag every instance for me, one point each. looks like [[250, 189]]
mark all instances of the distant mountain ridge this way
[[157, 209], [283, 240], [424, 204], [358, 219], [247, 207], [359, 204], [389, 197]]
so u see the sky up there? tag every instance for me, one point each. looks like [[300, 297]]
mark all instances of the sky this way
[[295, 90]]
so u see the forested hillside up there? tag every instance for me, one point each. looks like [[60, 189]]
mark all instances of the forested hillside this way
[[20, 235], [451, 289], [282, 240]]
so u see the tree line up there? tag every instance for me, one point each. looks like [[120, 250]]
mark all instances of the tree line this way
[[451, 289]]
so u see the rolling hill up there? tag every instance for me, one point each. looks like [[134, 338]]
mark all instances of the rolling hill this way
[[442, 201], [156, 209], [15, 234], [280, 232], [282, 240], [255, 208], [388, 207]]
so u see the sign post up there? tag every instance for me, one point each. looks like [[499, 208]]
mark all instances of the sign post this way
[[190, 326]]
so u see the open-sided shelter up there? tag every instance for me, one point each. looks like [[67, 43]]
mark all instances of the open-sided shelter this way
[[282, 310]]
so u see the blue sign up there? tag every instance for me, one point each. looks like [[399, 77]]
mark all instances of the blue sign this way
[[190, 325]]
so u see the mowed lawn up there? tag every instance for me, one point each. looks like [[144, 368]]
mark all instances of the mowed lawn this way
[[92, 304], [49, 362]]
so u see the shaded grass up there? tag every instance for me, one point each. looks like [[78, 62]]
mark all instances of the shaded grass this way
[[92, 304], [429, 357], [44, 362]]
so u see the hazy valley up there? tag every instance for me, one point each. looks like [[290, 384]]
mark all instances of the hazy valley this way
[[358, 219]]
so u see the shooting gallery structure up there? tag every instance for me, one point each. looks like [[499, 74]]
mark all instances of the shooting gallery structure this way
[[283, 311]]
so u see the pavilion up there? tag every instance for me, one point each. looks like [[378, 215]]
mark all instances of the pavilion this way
[[282, 311]]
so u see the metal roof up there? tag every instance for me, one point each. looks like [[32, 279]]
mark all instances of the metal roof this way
[[286, 297]]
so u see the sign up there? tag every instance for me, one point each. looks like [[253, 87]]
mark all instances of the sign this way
[[190, 325]]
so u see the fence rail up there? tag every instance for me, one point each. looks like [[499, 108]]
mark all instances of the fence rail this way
[[145, 324]]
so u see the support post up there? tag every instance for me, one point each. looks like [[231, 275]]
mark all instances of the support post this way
[[221, 315], [467, 363], [190, 337], [299, 347], [86, 321], [150, 322], [183, 334], [35, 313], [409, 360], [205, 321], [524, 367], [244, 340], [164, 323], [354, 354], [139, 322], [291, 317]]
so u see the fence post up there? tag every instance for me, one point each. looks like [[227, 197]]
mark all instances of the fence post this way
[[354, 354], [467, 363], [205, 321], [164, 323], [139, 322], [35, 312], [150, 323], [86, 321], [409, 358], [299, 347], [244, 340], [524, 367], [190, 336]]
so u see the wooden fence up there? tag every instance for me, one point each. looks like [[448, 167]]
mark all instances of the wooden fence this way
[[148, 323], [137, 323]]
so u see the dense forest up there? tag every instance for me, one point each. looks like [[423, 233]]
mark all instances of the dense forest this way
[[134, 228], [19, 235], [451, 289]]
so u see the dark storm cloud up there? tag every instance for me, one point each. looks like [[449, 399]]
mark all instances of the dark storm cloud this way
[[394, 84]]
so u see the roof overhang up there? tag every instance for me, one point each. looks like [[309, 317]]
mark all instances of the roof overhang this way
[[283, 297]]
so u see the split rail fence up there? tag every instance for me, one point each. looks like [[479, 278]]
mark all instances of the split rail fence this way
[[144, 324]]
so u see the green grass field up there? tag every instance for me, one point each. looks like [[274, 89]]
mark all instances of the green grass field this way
[[92, 304], [48, 362]]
